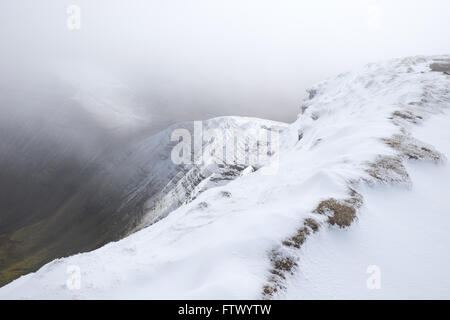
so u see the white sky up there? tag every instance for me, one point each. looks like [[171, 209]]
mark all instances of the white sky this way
[[202, 58]]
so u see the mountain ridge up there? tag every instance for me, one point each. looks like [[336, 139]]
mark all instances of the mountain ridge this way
[[353, 131]]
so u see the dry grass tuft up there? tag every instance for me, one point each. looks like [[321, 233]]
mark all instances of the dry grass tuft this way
[[339, 212], [388, 169], [312, 224], [298, 239], [406, 115], [281, 264], [413, 149]]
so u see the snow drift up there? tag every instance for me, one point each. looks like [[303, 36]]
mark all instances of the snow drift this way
[[361, 181]]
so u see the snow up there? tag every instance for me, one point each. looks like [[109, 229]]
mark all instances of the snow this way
[[172, 185], [218, 247], [402, 231]]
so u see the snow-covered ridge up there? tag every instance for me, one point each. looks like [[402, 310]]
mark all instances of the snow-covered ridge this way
[[242, 240], [169, 185], [379, 106]]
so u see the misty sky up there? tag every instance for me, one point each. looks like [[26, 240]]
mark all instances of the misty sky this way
[[193, 59]]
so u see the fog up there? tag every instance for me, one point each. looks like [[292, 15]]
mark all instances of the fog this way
[[192, 59]]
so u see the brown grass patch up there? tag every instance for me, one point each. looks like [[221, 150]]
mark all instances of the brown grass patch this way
[[283, 263], [406, 115], [313, 224], [413, 149], [298, 239], [388, 169], [341, 213]]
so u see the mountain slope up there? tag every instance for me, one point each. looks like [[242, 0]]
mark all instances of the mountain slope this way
[[107, 198], [353, 139]]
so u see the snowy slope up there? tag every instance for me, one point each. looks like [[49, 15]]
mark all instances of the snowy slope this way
[[80, 206], [147, 171], [354, 146], [402, 231]]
